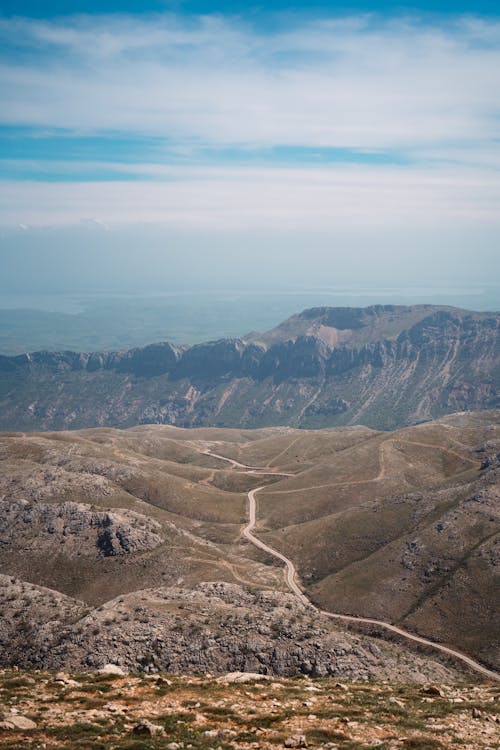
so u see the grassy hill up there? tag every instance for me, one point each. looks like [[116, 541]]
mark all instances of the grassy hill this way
[[401, 526]]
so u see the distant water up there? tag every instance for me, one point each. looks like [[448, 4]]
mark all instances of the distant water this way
[[110, 320]]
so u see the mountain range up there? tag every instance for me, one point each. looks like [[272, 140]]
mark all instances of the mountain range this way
[[383, 366]]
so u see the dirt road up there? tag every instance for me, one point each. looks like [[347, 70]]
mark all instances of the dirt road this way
[[290, 578], [294, 587]]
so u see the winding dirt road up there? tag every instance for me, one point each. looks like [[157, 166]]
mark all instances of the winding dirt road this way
[[290, 578], [248, 469], [290, 573], [289, 566]]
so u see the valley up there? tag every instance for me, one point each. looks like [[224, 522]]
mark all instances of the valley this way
[[128, 545]]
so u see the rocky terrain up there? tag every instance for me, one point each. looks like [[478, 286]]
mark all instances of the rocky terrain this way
[[126, 546], [384, 366], [214, 627], [89, 711]]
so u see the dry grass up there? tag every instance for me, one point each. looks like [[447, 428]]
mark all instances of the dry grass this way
[[201, 713]]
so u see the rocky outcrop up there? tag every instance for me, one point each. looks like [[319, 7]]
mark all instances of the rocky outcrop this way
[[148, 361], [215, 627], [81, 529], [383, 366]]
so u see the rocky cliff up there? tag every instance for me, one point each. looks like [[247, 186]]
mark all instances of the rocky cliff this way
[[384, 366]]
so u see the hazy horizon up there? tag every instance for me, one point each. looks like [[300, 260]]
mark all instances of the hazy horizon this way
[[119, 320]]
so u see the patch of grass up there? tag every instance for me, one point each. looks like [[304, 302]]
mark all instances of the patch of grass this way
[[245, 737], [325, 735], [12, 683], [92, 688], [132, 744], [179, 728], [90, 745], [222, 711], [79, 730], [103, 678], [171, 722], [89, 702], [421, 743], [265, 721]]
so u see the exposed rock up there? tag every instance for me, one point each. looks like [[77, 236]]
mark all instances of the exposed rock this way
[[296, 740], [324, 367], [432, 690], [148, 729], [66, 680], [82, 529], [241, 677], [113, 669], [15, 721], [212, 628]]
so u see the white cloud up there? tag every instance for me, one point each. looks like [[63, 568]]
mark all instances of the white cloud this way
[[353, 83], [429, 92]]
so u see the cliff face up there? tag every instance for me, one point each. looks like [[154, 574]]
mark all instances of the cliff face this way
[[383, 366]]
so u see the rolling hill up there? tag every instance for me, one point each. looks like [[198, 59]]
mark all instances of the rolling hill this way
[[134, 536]]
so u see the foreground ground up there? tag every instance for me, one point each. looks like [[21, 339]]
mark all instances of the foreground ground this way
[[90, 711]]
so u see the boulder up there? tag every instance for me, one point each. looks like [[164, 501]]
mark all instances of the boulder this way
[[147, 729], [112, 669]]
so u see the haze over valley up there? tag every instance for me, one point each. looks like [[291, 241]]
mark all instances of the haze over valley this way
[[112, 319]]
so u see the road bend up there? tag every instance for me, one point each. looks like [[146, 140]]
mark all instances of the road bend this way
[[262, 470], [290, 578], [290, 573]]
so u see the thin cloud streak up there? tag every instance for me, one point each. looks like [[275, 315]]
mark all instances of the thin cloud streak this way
[[274, 198]]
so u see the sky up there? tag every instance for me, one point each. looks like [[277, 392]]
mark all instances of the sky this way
[[163, 143]]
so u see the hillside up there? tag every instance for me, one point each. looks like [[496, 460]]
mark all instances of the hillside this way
[[127, 545], [383, 366]]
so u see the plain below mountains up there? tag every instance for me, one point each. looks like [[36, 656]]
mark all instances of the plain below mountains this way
[[383, 366]]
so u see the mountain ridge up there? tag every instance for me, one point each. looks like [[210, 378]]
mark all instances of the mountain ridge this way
[[322, 367]]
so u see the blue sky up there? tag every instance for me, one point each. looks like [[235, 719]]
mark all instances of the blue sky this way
[[51, 8], [368, 120]]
